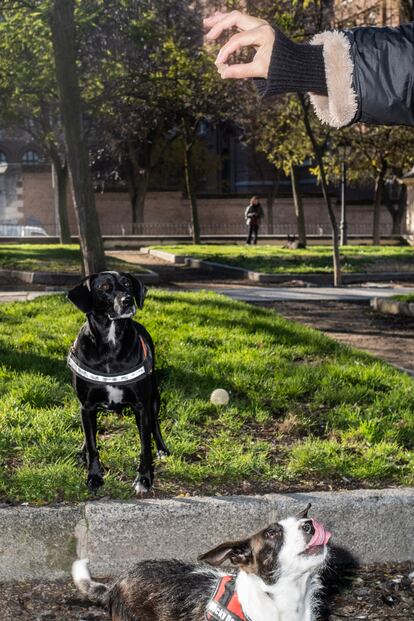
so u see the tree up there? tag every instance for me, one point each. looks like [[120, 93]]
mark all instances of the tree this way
[[379, 153], [63, 36], [197, 95], [28, 94]]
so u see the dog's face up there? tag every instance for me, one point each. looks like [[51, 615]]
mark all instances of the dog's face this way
[[112, 294], [292, 546]]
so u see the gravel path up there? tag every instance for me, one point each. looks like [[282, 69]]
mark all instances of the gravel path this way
[[372, 593]]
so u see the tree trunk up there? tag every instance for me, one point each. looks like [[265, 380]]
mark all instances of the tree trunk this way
[[270, 200], [379, 190], [189, 182], [298, 205], [397, 209], [60, 195], [137, 187], [63, 35], [319, 160]]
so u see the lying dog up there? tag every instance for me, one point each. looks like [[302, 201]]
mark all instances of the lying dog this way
[[277, 580], [112, 361]]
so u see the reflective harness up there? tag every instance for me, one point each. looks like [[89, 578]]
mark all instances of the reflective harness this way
[[135, 374], [225, 605]]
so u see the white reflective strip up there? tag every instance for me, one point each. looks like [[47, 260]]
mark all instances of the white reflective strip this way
[[103, 379]]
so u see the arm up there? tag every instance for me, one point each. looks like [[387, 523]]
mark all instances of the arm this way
[[364, 74]]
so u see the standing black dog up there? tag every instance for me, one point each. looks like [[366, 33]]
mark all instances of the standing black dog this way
[[112, 361]]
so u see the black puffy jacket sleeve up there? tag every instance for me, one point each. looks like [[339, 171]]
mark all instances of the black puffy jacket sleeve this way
[[369, 75]]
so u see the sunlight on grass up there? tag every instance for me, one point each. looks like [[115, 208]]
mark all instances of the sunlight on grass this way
[[314, 259], [302, 407], [52, 258]]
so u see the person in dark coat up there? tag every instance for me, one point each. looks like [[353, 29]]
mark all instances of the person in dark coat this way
[[363, 74], [253, 215]]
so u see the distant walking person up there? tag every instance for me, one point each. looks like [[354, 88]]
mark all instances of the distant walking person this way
[[253, 216]]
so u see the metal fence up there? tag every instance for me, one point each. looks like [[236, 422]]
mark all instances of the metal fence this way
[[183, 229]]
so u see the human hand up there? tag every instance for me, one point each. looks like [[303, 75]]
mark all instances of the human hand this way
[[254, 32]]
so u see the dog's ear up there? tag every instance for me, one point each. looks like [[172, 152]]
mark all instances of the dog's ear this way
[[237, 552], [81, 295], [140, 290], [303, 514]]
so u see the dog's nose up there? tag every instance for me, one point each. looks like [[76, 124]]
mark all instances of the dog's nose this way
[[127, 300]]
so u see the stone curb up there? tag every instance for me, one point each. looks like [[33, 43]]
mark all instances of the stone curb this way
[[393, 307], [63, 278], [41, 542], [263, 277]]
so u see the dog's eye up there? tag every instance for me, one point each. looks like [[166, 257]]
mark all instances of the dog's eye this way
[[307, 527], [126, 283], [105, 286], [271, 533]]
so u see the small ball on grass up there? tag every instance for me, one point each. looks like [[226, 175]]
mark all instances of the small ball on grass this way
[[219, 396]]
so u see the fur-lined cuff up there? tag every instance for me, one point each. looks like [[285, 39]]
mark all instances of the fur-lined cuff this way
[[340, 107]]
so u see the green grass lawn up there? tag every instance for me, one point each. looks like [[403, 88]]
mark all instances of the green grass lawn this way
[[315, 259], [404, 298], [51, 258], [304, 413]]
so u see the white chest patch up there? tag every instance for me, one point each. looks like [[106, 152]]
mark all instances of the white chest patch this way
[[115, 394], [112, 333]]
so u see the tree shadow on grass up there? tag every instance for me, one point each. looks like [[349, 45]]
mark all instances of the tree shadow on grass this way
[[26, 362]]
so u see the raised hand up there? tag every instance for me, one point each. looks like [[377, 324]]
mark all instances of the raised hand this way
[[254, 32]]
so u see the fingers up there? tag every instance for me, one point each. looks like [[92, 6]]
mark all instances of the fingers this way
[[237, 41], [223, 21], [246, 70]]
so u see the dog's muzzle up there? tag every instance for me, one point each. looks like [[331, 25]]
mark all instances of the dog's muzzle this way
[[135, 374]]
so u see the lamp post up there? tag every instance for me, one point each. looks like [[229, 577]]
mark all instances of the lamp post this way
[[344, 223]]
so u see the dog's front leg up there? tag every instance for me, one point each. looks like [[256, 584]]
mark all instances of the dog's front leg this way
[[162, 450], [143, 481], [89, 424]]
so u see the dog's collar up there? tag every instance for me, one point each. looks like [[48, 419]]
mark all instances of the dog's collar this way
[[225, 605], [135, 374]]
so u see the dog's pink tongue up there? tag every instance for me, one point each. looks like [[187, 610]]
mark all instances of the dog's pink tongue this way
[[320, 536]]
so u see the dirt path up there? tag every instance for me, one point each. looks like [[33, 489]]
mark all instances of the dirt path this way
[[386, 336], [375, 593]]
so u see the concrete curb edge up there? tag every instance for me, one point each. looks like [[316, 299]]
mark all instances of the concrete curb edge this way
[[42, 542], [263, 277]]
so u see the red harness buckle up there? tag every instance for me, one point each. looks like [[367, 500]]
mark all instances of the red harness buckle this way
[[225, 605]]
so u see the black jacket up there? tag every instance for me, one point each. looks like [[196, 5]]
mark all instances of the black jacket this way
[[363, 74]]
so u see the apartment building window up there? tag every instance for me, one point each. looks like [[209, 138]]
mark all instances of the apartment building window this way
[[30, 157], [3, 157]]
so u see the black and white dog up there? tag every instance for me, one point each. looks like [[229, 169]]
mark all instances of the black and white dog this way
[[112, 360], [277, 580]]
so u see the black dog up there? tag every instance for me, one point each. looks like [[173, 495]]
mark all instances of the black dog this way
[[112, 361]]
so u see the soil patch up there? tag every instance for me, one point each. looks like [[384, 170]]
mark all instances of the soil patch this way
[[389, 337]]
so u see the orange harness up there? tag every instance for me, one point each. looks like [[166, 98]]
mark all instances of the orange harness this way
[[225, 605]]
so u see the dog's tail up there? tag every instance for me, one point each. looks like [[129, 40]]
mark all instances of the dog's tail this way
[[96, 592]]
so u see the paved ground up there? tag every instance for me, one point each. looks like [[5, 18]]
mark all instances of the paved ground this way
[[249, 293], [375, 593]]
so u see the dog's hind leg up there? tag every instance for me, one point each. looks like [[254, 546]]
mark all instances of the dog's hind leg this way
[[143, 481], [89, 424], [162, 450]]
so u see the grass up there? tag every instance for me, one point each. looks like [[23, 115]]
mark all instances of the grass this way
[[315, 259], [409, 297], [51, 258], [305, 412]]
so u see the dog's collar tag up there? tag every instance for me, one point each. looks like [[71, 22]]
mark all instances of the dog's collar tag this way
[[225, 605], [134, 375]]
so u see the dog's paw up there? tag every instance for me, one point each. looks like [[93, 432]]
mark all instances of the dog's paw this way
[[94, 482], [142, 485], [162, 454]]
